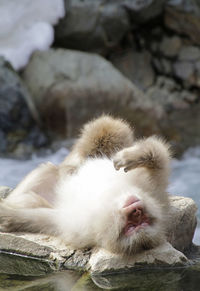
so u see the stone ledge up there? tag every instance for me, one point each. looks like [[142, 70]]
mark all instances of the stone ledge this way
[[165, 255]]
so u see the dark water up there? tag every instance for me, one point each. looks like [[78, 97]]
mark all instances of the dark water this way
[[182, 279]]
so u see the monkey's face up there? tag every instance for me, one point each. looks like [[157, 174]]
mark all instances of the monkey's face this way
[[136, 217], [136, 224]]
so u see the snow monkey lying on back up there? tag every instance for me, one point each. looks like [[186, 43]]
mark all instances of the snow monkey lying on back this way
[[109, 192]]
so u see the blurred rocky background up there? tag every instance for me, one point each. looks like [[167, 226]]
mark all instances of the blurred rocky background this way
[[139, 60]]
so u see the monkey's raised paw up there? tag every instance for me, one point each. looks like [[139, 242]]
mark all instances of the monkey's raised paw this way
[[151, 153], [127, 159]]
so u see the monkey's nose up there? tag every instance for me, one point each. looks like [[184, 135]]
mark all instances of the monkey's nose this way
[[137, 212], [136, 216], [133, 206]]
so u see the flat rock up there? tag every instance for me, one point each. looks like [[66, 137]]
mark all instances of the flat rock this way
[[31, 254], [18, 115], [103, 261]]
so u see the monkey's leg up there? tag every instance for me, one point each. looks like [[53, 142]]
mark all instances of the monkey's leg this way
[[37, 189], [37, 220], [152, 157], [103, 136], [26, 200]]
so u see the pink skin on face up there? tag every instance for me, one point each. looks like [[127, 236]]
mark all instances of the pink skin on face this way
[[136, 216]]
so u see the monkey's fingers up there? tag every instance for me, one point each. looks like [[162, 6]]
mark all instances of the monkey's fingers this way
[[130, 166], [118, 163], [127, 165]]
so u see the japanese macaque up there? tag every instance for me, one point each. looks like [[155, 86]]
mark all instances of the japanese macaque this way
[[109, 192]]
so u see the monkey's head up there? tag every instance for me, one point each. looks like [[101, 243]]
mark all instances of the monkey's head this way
[[134, 222]]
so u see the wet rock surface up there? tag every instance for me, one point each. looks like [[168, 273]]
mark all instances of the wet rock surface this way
[[102, 261], [20, 251]]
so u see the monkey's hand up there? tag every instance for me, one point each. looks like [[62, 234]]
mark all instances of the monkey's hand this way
[[128, 159], [151, 153]]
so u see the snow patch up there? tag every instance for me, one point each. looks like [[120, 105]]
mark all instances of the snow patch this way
[[26, 26]]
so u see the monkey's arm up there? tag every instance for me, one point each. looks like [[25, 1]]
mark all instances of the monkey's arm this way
[[151, 158]]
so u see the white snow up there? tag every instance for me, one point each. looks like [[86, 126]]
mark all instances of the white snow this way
[[13, 171], [26, 26]]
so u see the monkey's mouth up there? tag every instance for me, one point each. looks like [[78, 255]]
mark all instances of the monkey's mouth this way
[[137, 217]]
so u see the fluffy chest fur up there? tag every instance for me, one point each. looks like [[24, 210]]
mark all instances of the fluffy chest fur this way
[[90, 205]]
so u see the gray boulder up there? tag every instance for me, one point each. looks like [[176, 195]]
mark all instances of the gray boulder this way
[[70, 87], [18, 116], [181, 222], [99, 25], [136, 66], [92, 25]]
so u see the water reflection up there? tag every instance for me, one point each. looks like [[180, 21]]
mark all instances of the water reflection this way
[[146, 280], [57, 282]]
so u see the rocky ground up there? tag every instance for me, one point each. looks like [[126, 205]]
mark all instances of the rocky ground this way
[[136, 59]]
